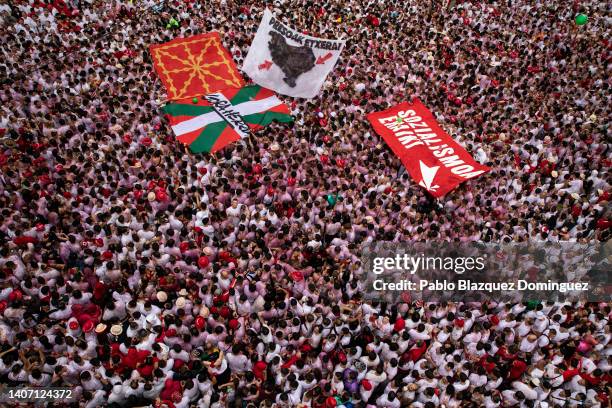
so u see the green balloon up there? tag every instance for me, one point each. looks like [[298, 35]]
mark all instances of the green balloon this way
[[581, 19], [194, 100]]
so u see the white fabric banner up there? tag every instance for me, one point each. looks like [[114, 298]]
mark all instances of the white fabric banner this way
[[221, 113], [288, 61]]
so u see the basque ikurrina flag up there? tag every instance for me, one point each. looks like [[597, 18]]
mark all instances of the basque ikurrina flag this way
[[212, 122]]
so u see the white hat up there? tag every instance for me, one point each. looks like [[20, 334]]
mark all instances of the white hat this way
[[207, 251], [116, 330], [151, 196], [554, 173], [204, 312], [275, 147], [183, 292], [180, 302], [162, 296]]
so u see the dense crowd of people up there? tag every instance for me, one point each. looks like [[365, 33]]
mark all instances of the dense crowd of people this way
[[139, 274]]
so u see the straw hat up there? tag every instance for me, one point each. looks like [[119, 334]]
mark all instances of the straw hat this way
[[151, 196], [100, 328], [183, 292], [275, 147], [180, 302], [116, 330], [204, 312], [162, 296]]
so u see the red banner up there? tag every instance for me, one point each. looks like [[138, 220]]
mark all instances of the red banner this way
[[431, 156]]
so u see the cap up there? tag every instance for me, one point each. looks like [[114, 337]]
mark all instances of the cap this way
[[88, 326]]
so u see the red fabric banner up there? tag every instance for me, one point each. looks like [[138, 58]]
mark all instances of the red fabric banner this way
[[195, 66], [433, 159]]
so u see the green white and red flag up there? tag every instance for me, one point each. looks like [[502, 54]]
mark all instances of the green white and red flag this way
[[218, 119]]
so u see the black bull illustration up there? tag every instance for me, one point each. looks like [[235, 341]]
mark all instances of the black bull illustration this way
[[292, 60]]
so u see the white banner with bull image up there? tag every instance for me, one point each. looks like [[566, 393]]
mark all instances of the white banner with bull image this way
[[288, 61]]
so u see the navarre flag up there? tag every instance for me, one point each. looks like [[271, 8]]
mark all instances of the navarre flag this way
[[433, 159], [221, 118], [288, 61], [195, 66]]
